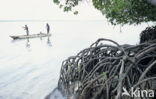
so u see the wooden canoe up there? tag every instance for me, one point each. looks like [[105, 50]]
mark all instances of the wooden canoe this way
[[31, 36]]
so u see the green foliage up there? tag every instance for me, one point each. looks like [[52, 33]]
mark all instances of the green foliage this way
[[76, 12], [61, 6], [69, 65], [56, 1], [66, 8], [128, 11], [118, 11], [105, 75], [79, 68]]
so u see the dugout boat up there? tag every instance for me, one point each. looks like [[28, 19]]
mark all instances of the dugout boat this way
[[31, 36]]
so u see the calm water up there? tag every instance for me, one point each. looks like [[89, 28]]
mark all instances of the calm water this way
[[30, 69]]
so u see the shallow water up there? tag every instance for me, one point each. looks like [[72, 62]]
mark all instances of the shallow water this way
[[29, 69]]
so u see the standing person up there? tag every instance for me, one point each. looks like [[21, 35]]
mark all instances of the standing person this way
[[27, 29], [48, 28]]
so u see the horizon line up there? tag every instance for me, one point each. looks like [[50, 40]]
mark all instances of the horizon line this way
[[32, 20]]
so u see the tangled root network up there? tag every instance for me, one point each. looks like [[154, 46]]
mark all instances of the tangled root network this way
[[105, 68], [148, 34]]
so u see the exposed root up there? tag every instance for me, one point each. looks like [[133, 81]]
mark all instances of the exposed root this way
[[102, 70]]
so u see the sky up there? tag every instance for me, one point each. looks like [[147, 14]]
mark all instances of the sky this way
[[44, 10]]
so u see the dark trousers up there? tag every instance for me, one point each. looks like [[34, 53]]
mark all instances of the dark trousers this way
[[48, 31], [27, 32]]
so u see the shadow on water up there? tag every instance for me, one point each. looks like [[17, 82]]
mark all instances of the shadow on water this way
[[28, 44]]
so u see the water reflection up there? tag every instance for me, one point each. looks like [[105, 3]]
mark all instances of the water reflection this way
[[40, 37], [28, 44], [49, 42]]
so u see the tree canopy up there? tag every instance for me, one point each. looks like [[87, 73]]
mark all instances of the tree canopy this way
[[117, 11]]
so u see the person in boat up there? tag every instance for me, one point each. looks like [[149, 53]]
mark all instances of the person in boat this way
[[27, 29], [48, 28]]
